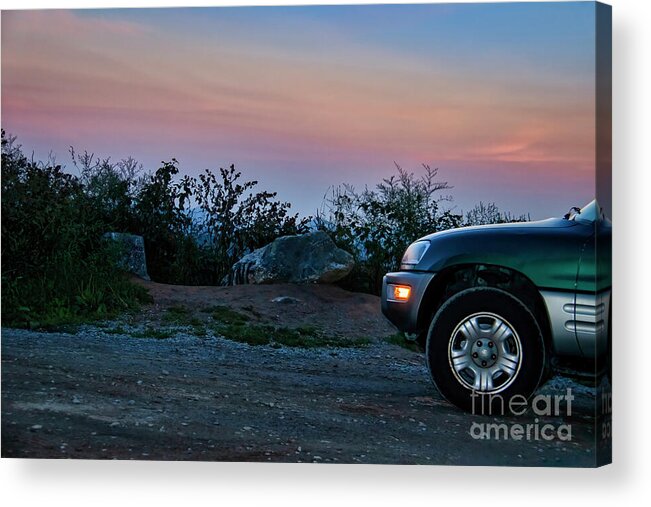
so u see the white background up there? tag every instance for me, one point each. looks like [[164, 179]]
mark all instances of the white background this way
[[627, 481]]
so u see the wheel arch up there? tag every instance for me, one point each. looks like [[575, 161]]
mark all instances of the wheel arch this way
[[454, 279]]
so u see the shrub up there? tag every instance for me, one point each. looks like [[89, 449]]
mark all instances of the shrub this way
[[489, 213], [234, 219], [195, 229], [110, 187], [56, 269], [161, 216], [376, 226]]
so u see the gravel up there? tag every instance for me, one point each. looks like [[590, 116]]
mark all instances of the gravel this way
[[99, 395]]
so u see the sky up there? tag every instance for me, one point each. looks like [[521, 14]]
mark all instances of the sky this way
[[499, 97]]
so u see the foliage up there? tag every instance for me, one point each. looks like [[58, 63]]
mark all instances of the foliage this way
[[489, 213], [236, 220], [151, 332], [376, 226], [226, 315], [302, 336], [400, 340], [195, 229], [181, 316], [236, 326], [111, 188], [56, 268], [161, 216]]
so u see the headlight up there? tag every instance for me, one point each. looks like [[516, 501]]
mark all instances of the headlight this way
[[414, 254]]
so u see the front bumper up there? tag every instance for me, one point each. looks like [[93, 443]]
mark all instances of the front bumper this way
[[404, 314]]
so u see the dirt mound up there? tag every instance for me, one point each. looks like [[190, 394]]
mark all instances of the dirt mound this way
[[332, 309]]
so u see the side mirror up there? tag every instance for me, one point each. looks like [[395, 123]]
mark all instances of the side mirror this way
[[574, 210]]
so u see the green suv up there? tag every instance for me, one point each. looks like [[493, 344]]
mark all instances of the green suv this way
[[493, 305]]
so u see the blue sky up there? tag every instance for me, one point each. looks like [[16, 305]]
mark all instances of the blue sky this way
[[500, 97]]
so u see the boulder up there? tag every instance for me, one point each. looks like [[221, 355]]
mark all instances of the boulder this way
[[304, 258], [132, 252]]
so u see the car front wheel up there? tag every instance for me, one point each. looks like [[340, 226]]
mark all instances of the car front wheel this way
[[484, 347]]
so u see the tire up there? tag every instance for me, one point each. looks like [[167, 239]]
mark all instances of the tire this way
[[483, 347]]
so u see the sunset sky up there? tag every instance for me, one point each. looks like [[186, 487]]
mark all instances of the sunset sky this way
[[499, 97]]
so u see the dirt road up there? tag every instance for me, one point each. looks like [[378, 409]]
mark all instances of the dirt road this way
[[104, 395]]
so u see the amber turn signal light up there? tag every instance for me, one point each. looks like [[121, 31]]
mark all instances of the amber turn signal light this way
[[399, 292]]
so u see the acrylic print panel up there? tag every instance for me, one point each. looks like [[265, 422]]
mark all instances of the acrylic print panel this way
[[379, 234]]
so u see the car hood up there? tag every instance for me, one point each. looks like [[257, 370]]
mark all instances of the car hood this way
[[546, 251], [509, 228]]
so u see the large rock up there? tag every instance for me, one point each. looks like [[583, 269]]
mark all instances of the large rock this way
[[305, 258], [132, 252]]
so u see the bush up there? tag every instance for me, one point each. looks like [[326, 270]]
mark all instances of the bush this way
[[489, 213], [376, 226], [234, 219], [56, 269], [161, 216], [195, 229], [111, 188]]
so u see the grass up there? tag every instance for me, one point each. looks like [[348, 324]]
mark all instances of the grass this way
[[400, 340], [181, 316], [92, 303], [210, 308], [150, 332], [226, 315], [237, 326], [176, 312], [302, 336], [116, 330], [199, 331]]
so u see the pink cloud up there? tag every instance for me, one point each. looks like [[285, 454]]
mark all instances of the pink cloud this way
[[87, 81]]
